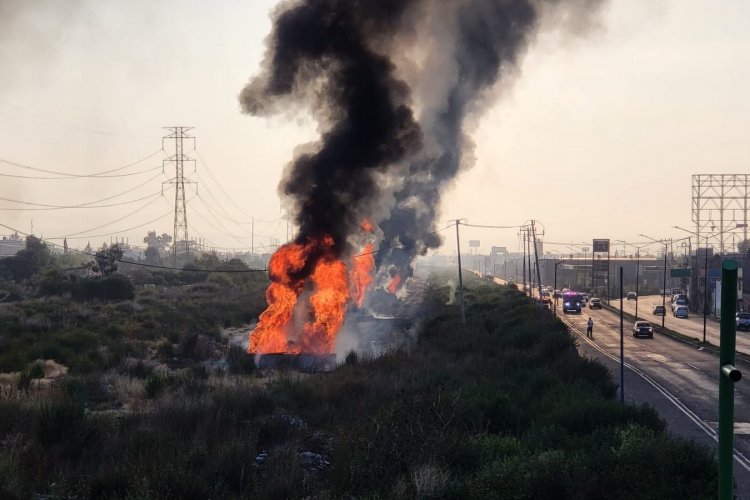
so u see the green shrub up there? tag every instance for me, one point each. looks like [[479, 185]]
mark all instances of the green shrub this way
[[154, 385]]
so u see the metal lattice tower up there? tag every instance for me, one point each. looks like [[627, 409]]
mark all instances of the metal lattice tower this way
[[720, 205], [180, 241]]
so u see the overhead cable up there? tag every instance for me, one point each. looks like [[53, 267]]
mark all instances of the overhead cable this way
[[72, 176]]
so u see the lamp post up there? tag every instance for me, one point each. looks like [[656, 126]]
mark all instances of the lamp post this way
[[664, 285], [637, 269], [705, 279], [555, 285]]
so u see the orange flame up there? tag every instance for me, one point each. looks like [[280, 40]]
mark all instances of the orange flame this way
[[367, 226], [328, 306], [332, 286], [394, 283], [361, 276], [282, 294]]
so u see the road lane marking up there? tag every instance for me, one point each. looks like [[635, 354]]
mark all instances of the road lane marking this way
[[739, 457]]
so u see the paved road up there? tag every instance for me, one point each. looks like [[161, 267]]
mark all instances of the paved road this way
[[691, 327], [679, 380]]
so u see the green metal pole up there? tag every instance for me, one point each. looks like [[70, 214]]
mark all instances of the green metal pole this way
[[728, 375]]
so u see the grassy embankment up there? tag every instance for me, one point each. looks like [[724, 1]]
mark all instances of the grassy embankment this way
[[503, 408]]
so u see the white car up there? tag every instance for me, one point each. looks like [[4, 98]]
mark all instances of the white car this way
[[681, 312]]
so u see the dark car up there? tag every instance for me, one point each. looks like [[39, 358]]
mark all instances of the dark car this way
[[743, 320], [632, 296], [658, 310], [595, 303], [572, 302], [643, 329]]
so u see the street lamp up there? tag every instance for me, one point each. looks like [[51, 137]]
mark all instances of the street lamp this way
[[555, 285], [705, 279], [637, 269], [664, 285]]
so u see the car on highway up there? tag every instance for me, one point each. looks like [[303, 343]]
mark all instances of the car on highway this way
[[743, 320], [643, 329], [572, 302], [680, 297], [680, 312], [679, 302], [632, 296], [658, 310], [595, 303]]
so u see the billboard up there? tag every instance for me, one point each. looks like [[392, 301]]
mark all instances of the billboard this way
[[601, 246], [474, 243]]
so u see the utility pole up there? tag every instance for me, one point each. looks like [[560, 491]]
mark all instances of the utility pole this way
[[523, 261], [536, 259], [460, 275], [180, 236], [622, 344], [705, 291], [528, 257], [664, 289]]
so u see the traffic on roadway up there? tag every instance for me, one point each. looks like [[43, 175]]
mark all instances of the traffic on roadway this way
[[692, 326], [679, 379]]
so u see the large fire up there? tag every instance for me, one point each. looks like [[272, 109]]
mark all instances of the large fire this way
[[321, 298]]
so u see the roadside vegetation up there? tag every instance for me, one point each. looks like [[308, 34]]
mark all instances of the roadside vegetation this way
[[151, 401]]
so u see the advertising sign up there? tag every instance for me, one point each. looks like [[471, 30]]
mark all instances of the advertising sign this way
[[601, 246]]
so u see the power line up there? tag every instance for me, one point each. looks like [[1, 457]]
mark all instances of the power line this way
[[142, 264], [123, 230], [228, 233], [216, 218], [488, 227], [108, 223], [72, 176], [68, 125], [65, 207], [90, 204], [203, 162], [81, 176]]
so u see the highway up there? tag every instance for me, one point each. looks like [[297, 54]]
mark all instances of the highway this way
[[691, 327], [679, 380]]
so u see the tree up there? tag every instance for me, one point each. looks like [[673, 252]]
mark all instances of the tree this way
[[27, 262], [105, 260], [208, 261], [153, 256], [159, 242]]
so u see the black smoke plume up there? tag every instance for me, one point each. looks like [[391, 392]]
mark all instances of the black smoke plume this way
[[391, 84]]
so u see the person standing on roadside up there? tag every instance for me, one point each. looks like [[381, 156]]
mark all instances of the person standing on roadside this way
[[590, 328]]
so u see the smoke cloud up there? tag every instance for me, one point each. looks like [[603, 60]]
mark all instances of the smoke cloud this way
[[394, 86]]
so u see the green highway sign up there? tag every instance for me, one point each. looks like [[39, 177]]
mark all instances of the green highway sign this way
[[681, 273]]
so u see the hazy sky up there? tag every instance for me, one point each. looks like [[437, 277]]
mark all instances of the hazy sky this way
[[596, 137]]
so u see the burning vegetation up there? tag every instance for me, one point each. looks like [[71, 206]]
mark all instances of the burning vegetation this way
[[391, 84]]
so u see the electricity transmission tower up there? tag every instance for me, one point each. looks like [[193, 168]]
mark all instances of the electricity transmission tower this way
[[180, 241]]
